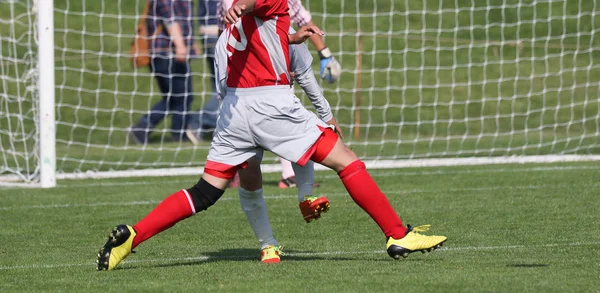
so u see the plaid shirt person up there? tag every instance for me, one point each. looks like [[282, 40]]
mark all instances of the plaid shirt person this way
[[165, 13]]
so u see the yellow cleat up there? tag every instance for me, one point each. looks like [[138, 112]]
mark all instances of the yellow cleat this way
[[271, 254], [116, 248], [413, 241]]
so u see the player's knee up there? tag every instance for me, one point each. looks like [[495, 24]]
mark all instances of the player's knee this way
[[204, 195]]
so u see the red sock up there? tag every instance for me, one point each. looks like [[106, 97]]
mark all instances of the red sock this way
[[173, 209], [365, 192]]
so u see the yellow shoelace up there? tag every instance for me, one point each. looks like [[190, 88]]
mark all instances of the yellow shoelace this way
[[422, 228], [279, 250]]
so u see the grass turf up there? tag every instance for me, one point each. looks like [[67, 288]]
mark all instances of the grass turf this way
[[512, 228]]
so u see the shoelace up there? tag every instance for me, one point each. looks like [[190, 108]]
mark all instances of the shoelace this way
[[310, 198], [279, 250], [422, 228]]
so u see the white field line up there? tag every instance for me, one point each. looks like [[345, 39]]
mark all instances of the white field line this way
[[328, 175], [299, 254], [285, 196]]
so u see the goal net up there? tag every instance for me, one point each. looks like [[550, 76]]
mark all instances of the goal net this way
[[431, 81]]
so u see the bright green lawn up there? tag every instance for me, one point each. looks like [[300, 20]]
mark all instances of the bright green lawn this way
[[513, 228]]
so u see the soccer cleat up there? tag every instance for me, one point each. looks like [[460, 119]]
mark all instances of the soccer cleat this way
[[271, 254], [312, 207], [116, 248], [413, 241]]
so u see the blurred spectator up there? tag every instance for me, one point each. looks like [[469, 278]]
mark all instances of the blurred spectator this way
[[171, 50], [203, 122]]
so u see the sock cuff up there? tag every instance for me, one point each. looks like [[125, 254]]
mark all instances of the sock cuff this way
[[189, 199], [352, 169]]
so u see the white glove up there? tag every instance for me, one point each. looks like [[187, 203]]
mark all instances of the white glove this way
[[330, 68]]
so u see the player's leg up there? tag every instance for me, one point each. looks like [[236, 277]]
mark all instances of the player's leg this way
[[253, 205], [176, 207], [230, 148], [331, 152], [311, 206]]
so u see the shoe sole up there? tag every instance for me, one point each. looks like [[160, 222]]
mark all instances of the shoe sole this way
[[269, 261], [113, 241], [319, 209], [396, 251]]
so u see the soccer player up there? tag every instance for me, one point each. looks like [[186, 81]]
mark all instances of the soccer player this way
[[260, 112], [250, 191], [330, 71]]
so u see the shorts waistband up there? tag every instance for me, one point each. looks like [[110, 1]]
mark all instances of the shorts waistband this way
[[260, 89]]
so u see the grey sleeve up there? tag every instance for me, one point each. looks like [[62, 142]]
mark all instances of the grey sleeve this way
[[300, 64], [221, 65], [307, 81]]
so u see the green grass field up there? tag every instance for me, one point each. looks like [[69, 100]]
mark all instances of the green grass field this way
[[511, 228], [438, 79]]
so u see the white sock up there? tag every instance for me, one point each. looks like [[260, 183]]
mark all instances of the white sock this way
[[253, 205], [287, 170], [305, 178]]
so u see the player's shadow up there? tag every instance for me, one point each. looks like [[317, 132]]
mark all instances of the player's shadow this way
[[247, 254]]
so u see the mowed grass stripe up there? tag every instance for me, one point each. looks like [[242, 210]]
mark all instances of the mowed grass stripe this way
[[284, 196]]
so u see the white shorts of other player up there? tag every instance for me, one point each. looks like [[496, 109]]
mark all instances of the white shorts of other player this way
[[270, 118]]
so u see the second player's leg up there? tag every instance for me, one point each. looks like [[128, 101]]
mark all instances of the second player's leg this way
[[253, 205]]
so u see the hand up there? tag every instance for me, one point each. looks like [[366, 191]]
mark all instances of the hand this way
[[336, 127], [234, 13], [330, 69], [181, 54], [304, 33]]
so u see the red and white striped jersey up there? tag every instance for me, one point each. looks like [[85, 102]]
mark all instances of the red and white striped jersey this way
[[258, 47]]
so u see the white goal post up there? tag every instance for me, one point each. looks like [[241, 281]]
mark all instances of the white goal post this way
[[424, 83]]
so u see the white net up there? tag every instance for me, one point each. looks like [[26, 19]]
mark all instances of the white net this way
[[18, 95], [421, 80], [467, 78]]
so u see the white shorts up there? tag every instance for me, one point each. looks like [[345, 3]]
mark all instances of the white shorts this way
[[264, 118]]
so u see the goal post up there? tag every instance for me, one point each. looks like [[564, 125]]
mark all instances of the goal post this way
[[424, 83], [47, 129]]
